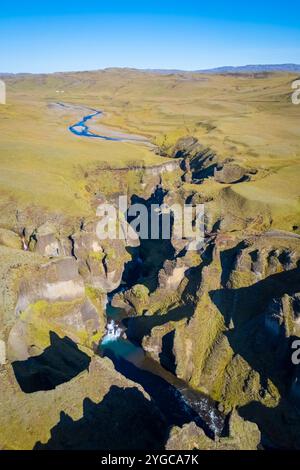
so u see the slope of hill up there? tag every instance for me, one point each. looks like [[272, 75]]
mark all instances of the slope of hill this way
[[218, 321], [291, 68]]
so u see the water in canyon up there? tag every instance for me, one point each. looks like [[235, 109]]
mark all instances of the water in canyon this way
[[177, 402]]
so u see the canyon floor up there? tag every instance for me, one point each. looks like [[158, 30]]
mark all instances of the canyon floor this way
[[205, 356]]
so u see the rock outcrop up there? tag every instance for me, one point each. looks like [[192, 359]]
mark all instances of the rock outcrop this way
[[230, 173], [41, 296], [55, 281], [134, 300], [101, 262], [42, 411], [223, 319], [242, 435], [10, 239], [46, 241]]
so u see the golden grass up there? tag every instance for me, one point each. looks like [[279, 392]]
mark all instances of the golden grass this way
[[41, 163]]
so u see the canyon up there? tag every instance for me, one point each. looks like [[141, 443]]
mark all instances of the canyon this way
[[143, 344]]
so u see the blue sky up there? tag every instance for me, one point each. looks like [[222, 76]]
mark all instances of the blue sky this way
[[84, 35]]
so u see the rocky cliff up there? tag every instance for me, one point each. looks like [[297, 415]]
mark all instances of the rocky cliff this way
[[222, 319]]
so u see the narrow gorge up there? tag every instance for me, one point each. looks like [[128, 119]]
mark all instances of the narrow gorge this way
[[141, 343]]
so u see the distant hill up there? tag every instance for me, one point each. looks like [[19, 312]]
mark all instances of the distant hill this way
[[254, 69], [289, 68]]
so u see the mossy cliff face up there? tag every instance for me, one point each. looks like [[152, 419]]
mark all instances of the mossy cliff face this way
[[242, 435], [47, 296], [101, 262], [30, 418], [55, 278], [236, 345], [171, 282], [237, 312], [222, 320], [52, 319]]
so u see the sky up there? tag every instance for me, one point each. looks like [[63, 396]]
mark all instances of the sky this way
[[51, 36]]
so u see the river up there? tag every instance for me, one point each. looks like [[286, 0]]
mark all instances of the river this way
[[98, 131], [178, 403]]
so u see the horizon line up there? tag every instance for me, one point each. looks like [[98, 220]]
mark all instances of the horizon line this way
[[158, 69]]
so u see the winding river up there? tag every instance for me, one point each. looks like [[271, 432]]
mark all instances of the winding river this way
[[81, 128], [178, 403]]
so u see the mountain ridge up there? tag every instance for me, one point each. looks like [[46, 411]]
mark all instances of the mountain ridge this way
[[227, 69]]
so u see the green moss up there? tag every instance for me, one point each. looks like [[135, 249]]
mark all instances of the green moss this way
[[110, 253], [134, 180], [140, 291], [242, 385], [240, 279], [42, 317], [171, 179], [212, 378], [93, 293], [97, 255]]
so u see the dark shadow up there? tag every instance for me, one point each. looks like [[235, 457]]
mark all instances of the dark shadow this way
[[285, 258], [267, 352], [59, 363], [166, 357], [242, 304], [169, 400], [228, 258], [204, 173], [132, 271], [123, 420], [138, 327], [153, 253], [279, 435]]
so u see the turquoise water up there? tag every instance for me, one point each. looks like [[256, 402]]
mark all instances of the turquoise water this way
[[177, 402], [125, 349], [114, 313], [81, 129]]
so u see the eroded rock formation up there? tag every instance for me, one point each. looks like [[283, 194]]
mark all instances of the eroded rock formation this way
[[222, 319]]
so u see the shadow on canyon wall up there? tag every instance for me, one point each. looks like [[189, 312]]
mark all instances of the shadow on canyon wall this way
[[244, 311], [59, 363], [153, 252], [242, 304], [166, 357], [138, 327], [170, 401], [123, 420]]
